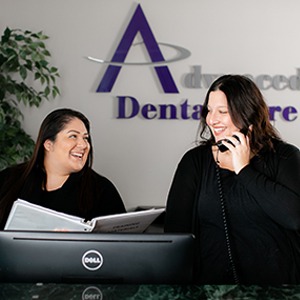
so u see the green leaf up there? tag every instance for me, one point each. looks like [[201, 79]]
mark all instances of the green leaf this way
[[6, 36], [55, 91], [23, 72], [52, 77], [46, 53], [28, 65], [53, 70], [43, 63], [47, 91], [42, 80], [35, 35], [37, 76], [19, 37], [33, 46]]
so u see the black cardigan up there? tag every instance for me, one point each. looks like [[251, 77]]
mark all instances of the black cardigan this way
[[263, 208]]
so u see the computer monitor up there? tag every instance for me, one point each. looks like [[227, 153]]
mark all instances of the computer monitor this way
[[27, 256]]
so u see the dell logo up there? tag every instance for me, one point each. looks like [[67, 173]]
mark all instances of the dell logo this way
[[92, 260], [92, 293]]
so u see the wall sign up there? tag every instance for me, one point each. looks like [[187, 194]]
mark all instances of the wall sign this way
[[129, 107]]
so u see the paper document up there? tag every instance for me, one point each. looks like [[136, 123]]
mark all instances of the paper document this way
[[27, 216]]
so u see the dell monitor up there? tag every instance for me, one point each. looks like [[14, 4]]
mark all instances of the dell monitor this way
[[32, 256]]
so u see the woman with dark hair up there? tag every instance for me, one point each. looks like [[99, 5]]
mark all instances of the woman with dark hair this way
[[59, 174], [238, 192]]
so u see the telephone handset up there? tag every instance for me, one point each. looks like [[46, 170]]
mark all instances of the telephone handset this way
[[223, 148]]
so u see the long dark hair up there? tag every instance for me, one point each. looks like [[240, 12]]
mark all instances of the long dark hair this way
[[246, 106], [50, 127]]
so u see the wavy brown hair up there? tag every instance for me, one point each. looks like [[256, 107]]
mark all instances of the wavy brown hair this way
[[247, 107]]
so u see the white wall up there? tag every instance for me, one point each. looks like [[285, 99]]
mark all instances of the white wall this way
[[234, 36]]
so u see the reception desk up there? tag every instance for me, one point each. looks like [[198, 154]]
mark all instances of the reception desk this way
[[18, 291], [97, 291]]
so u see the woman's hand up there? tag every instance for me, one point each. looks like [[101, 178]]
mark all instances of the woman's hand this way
[[239, 149]]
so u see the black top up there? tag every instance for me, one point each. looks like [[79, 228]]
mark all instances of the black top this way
[[263, 211], [106, 199]]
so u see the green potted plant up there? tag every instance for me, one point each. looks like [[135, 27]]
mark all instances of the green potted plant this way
[[25, 77]]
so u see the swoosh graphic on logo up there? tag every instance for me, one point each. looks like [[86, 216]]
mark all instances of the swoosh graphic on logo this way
[[182, 54]]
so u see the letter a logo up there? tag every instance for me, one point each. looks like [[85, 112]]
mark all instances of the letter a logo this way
[[137, 24]]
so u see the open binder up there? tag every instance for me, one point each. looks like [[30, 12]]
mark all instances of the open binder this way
[[27, 216]]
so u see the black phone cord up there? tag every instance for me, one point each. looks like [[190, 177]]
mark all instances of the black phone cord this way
[[226, 229]]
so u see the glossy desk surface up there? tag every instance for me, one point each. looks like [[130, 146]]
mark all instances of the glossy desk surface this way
[[20, 291]]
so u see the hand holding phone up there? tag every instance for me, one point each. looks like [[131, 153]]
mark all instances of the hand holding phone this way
[[223, 148]]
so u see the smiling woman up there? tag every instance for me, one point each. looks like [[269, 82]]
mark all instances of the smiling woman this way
[[242, 203], [67, 154], [59, 174]]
